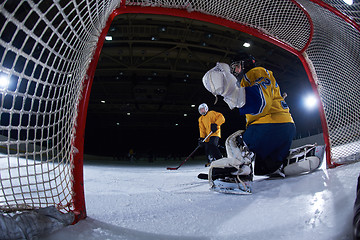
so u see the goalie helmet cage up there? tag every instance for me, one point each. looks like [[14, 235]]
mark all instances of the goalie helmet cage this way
[[49, 52]]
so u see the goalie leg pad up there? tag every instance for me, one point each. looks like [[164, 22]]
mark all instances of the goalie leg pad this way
[[238, 150], [227, 162], [230, 172], [306, 165], [229, 175], [232, 148], [304, 159]]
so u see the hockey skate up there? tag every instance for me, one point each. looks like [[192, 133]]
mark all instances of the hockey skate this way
[[231, 185], [304, 159], [210, 159], [278, 174]]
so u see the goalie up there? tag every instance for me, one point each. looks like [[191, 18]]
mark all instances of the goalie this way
[[270, 127]]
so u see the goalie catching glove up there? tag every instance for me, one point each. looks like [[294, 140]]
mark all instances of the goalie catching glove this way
[[220, 81]]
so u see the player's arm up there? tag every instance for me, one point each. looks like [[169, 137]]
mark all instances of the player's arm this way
[[258, 93], [220, 119]]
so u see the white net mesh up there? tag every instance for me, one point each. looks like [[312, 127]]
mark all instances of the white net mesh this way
[[46, 48], [270, 17], [335, 54], [352, 11]]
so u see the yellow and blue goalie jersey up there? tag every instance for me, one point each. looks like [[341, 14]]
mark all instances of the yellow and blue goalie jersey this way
[[264, 103]]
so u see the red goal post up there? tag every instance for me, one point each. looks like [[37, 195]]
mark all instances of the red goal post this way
[[49, 53]]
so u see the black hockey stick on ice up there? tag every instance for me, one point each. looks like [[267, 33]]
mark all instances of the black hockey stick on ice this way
[[176, 168]]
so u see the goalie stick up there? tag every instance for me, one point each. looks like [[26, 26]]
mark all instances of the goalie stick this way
[[176, 168]]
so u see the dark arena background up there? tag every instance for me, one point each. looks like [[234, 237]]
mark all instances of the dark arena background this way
[[94, 79]]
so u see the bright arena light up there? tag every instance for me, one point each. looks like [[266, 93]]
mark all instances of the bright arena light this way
[[4, 81], [310, 102], [349, 2]]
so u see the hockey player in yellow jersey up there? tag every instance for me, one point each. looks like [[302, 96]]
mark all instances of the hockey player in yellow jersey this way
[[255, 92], [268, 105], [269, 129], [210, 121]]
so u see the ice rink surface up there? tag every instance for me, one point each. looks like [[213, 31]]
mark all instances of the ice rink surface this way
[[148, 202]]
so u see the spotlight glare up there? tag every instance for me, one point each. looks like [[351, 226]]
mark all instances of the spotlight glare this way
[[4, 81], [310, 102]]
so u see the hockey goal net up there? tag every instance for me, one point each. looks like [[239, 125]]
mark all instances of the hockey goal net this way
[[48, 55]]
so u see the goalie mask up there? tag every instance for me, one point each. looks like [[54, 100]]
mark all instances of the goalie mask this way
[[220, 81], [241, 64], [203, 109]]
